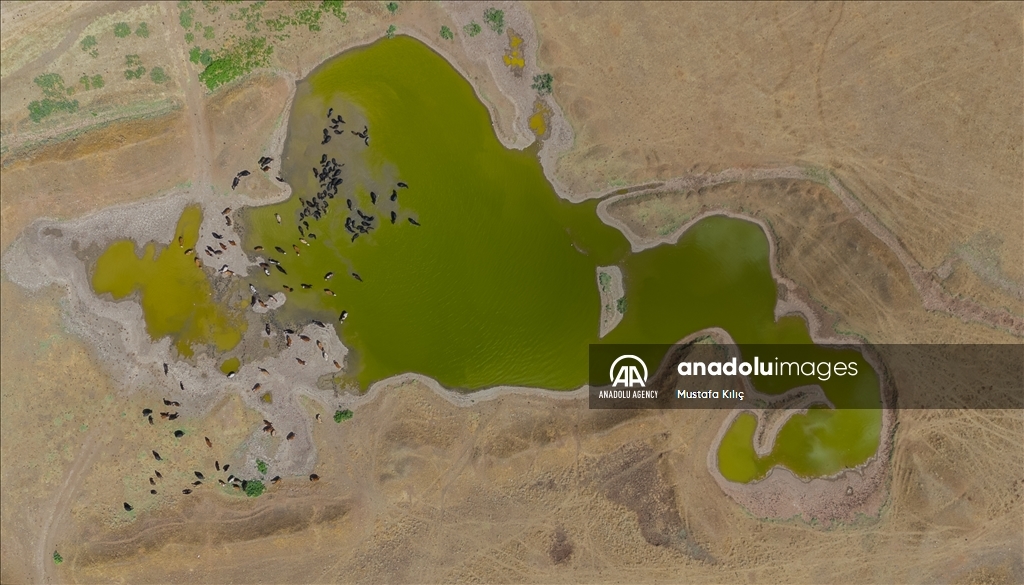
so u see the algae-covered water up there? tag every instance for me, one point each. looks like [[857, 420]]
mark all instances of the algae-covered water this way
[[496, 284], [176, 297], [230, 365]]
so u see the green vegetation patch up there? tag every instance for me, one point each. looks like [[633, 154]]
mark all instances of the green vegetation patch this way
[[158, 75], [88, 45], [230, 365], [262, 466], [621, 305], [252, 15], [176, 296], [472, 29], [390, 33], [720, 268], [186, 14], [94, 82], [254, 488], [241, 55], [495, 19], [341, 415], [542, 83], [309, 18], [335, 7], [446, 33], [200, 56], [121, 30], [248, 54], [392, 7], [55, 97], [142, 31], [138, 70], [605, 280], [57, 559]]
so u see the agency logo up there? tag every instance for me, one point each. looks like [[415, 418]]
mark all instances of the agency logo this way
[[627, 374]]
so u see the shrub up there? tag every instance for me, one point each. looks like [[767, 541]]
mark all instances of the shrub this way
[[136, 73], [208, 33], [341, 415], [472, 29], [278, 24], [158, 75], [88, 43], [142, 30], [446, 33], [251, 15], [136, 62], [248, 54], [542, 83], [605, 281], [392, 7], [495, 19], [37, 110], [97, 81], [620, 305], [185, 18], [121, 30], [55, 97], [254, 488], [262, 466], [52, 85], [57, 559], [334, 7]]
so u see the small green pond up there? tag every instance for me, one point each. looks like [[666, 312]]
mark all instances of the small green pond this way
[[230, 365]]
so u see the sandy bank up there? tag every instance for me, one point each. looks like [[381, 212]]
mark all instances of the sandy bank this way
[[610, 292]]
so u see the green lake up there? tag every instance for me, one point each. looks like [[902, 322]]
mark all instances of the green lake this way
[[496, 285]]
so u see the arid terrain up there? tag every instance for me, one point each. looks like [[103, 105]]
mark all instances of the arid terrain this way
[[879, 144]]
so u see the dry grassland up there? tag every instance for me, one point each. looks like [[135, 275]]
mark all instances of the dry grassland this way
[[917, 108]]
